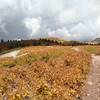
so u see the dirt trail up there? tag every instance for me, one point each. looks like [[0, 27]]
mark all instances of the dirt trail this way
[[11, 54], [91, 89], [76, 49]]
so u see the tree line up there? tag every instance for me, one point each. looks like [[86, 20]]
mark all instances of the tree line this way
[[11, 44]]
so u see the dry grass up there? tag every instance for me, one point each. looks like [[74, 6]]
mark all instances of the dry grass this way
[[46, 73], [91, 49]]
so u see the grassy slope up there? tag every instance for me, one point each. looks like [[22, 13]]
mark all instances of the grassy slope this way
[[46, 73]]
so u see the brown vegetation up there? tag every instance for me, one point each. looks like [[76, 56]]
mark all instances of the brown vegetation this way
[[46, 73], [91, 49]]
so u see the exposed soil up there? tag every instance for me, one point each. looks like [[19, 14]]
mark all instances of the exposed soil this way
[[13, 54], [91, 89], [10, 54], [76, 49]]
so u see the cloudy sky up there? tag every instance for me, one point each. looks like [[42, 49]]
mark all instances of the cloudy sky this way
[[66, 19]]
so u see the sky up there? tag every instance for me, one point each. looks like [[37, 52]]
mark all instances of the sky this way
[[65, 19]]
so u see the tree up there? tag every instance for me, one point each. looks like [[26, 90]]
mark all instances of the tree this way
[[2, 41]]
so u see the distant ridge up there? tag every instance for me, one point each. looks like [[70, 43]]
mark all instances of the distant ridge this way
[[94, 42], [97, 40]]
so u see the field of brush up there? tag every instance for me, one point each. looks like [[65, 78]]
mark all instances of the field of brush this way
[[45, 73], [91, 49]]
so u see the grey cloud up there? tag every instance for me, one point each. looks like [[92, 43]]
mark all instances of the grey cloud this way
[[77, 19]]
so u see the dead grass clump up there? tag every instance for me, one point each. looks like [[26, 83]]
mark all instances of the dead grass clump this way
[[7, 62]]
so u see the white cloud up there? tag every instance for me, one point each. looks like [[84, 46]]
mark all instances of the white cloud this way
[[68, 16], [81, 32], [3, 27], [60, 33], [33, 24], [98, 23]]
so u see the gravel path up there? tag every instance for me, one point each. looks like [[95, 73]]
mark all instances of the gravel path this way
[[91, 89]]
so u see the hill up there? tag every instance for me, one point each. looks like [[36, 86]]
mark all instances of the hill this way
[[11, 44], [97, 40], [94, 42]]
